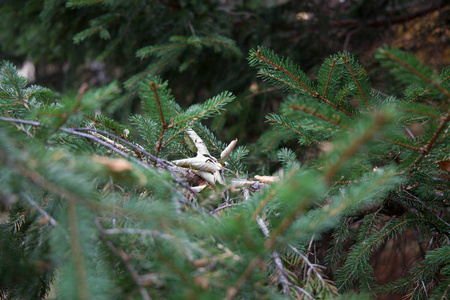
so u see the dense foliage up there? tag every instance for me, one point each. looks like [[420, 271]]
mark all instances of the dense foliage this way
[[345, 195]]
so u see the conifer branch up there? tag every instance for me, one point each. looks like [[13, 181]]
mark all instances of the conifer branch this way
[[65, 116], [418, 96], [425, 151], [328, 78], [315, 114], [77, 252], [287, 221], [347, 63], [402, 145], [343, 96], [233, 291], [270, 196], [348, 153], [161, 116], [166, 164], [285, 125], [404, 64], [126, 261], [297, 80], [203, 113], [368, 246], [282, 69]]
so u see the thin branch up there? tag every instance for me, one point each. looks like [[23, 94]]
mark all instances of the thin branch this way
[[315, 114], [433, 139], [403, 145], [275, 256], [263, 91], [285, 125], [404, 64], [328, 79], [346, 61], [303, 85], [40, 210], [65, 116], [161, 116]]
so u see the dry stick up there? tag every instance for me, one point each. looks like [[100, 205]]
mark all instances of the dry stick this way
[[77, 252], [161, 116], [296, 79], [126, 261]]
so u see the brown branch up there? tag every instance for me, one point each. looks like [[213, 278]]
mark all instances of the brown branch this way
[[346, 61], [65, 116], [328, 79], [320, 116], [324, 99], [154, 88], [433, 83], [402, 145], [343, 96], [282, 69], [285, 125]]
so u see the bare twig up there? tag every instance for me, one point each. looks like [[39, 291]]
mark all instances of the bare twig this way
[[161, 116], [40, 210]]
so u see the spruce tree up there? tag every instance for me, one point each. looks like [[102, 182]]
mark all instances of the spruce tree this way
[[162, 208]]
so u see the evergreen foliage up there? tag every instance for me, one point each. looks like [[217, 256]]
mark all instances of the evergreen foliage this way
[[97, 209]]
